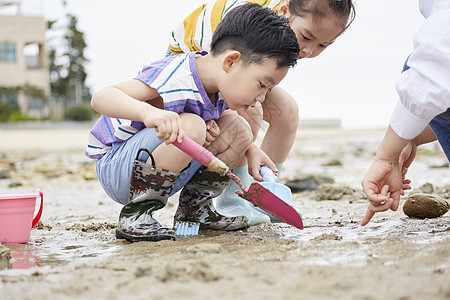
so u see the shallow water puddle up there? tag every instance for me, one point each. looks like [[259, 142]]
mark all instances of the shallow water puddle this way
[[422, 231], [55, 249], [58, 250], [22, 256]]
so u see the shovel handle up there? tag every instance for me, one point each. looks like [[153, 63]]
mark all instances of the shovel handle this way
[[267, 174], [202, 155], [194, 150]]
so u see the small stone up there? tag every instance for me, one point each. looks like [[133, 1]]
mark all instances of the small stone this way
[[425, 206], [14, 184], [327, 236], [41, 226], [4, 175], [301, 185], [89, 175], [332, 162], [427, 188], [333, 191], [307, 182], [205, 248]]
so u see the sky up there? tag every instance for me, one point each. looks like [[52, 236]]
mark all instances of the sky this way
[[352, 80]]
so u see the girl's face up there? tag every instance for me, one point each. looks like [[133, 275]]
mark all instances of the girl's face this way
[[245, 85], [313, 34]]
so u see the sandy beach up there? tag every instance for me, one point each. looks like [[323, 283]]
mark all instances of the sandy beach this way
[[73, 254]]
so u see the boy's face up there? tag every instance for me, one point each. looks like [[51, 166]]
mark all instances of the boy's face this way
[[245, 85]]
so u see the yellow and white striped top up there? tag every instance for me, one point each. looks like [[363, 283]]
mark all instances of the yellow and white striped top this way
[[195, 32]]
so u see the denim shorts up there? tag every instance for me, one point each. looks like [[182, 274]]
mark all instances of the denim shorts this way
[[441, 128], [115, 168]]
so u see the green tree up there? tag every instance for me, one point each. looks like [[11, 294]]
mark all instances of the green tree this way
[[67, 69]]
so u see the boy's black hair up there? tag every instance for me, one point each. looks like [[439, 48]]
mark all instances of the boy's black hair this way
[[257, 33]]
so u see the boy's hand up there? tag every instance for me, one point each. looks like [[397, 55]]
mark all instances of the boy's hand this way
[[212, 132], [257, 158], [166, 123]]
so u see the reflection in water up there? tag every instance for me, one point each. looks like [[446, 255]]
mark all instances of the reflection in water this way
[[22, 256], [23, 260], [53, 252]]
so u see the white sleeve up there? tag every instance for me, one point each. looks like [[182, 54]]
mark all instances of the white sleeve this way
[[424, 89]]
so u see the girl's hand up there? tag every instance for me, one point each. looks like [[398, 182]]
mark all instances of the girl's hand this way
[[257, 158], [405, 160], [378, 207], [166, 123], [383, 186], [212, 132]]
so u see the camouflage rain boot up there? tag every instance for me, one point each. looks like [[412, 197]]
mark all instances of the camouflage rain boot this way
[[195, 203], [150, 188]]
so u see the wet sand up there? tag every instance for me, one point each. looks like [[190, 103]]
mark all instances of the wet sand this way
[[73, 254]]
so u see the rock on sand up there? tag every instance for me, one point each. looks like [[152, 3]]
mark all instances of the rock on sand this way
[[424, 206]]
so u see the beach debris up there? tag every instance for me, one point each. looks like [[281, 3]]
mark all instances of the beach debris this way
[[332, 162], [425, 206], [443, 191], [41, 226], [15, 183], [92, 227], [4, 175], [307, 182], [334, 191], [203, 248], [48, 170], [426, 188], [188, 271], [87, 171], [444, 164], [327, 236]]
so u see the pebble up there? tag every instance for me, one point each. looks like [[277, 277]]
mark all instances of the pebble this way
[[327, 236], [307, 182], [425, 206], [205, 248], [4, 175], [333, 191], [332, 162]]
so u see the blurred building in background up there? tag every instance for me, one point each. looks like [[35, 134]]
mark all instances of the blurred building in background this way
[[24, 64]]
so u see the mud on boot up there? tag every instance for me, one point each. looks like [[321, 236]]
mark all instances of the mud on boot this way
[[150, 188], [195, 203]]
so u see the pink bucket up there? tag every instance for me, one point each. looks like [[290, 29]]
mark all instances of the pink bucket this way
[[16, 216]]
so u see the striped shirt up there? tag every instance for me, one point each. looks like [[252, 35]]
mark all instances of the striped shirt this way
[[195, 32], [177, 81]]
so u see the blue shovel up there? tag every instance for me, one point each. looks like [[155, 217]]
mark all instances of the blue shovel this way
[[280, 190]]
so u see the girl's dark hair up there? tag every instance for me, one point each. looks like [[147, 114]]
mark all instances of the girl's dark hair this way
[[344, 10], [257, 33]]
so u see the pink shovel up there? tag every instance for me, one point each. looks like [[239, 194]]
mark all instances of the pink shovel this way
[[257, 194]]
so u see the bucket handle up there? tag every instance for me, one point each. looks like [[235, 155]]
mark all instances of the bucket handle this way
[[39, 214]]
